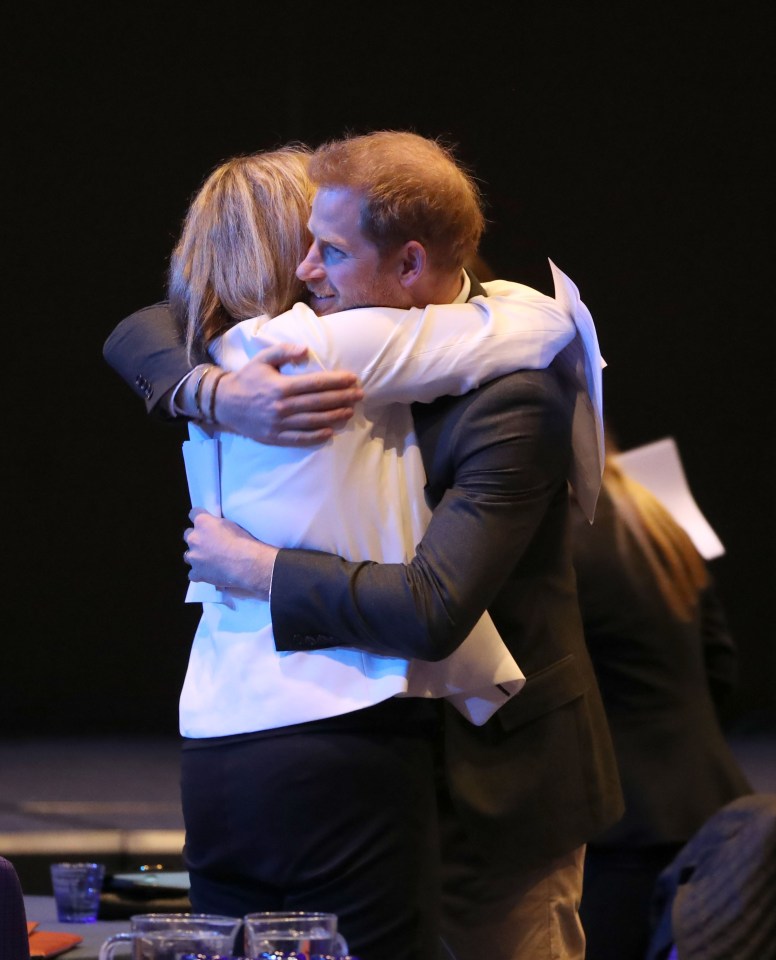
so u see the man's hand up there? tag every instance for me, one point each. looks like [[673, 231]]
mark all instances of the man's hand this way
[[222, 553], [259, 402]]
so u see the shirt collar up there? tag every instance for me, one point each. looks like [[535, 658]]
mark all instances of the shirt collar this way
[[463, 296]]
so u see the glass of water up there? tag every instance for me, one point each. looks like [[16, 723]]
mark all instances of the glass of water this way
[[301, 932]]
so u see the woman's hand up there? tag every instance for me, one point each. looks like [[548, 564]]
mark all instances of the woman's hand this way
[[222, 553]]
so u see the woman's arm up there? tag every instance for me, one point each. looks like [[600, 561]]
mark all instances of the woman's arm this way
[[402, 356], [719, 649]]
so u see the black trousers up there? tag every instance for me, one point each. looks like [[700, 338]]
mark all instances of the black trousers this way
[[337, 816], [616, 898]]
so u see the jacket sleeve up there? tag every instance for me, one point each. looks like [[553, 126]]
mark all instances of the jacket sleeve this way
[[147, 351], [508, 454], [719, 649]]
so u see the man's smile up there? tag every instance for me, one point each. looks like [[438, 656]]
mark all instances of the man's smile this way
[[320, 299]]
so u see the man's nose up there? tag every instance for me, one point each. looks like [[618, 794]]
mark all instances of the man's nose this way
[[311, 267]]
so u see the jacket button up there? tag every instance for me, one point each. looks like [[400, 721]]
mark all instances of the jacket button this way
[[144, 386]]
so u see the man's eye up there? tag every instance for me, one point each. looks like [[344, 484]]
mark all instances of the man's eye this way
[[333, 254]]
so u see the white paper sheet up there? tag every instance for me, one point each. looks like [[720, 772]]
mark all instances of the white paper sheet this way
[[583, 363], [201, 455], [477, 679], [658, 467]]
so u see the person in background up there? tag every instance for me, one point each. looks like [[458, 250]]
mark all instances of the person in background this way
[[665, 660]]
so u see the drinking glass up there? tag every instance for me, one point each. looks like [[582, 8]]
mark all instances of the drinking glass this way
[[302, 932], [168, 936]]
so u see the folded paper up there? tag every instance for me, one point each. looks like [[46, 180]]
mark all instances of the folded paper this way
[[658, 467], [201, 456]]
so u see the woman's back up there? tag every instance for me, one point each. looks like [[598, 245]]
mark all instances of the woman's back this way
[[653, 669], [659, 643]]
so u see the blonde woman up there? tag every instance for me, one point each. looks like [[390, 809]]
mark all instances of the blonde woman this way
[[665, 660]]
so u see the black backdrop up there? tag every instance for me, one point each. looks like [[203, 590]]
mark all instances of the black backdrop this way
[[628, 146]]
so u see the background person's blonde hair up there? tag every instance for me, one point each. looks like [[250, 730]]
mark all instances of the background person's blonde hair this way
[[679, 570], [242, 239], [414, 189]]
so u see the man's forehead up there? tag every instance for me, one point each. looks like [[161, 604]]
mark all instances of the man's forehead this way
[[336, 212]]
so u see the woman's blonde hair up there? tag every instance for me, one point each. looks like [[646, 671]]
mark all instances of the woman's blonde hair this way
[[678, 568], [242, 239]]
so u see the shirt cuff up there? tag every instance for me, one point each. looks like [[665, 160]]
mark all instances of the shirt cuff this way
[[271, 575], [177, 408]]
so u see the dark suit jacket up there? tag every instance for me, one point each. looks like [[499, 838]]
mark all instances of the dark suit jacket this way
[[658, 676], [540, 778]]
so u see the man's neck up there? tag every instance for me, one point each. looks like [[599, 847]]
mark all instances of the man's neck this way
[[440, 288]]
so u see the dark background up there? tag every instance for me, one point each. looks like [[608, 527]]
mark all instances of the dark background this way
[[631, 146]]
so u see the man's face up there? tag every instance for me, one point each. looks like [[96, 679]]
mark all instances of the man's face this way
[[342, 268]]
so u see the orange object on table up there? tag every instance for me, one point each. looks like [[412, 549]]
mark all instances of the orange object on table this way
[[48, 943]]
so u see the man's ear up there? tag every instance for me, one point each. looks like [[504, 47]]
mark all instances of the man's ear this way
[[412, 263]]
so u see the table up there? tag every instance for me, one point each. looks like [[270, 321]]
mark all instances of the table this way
[[43, 910]]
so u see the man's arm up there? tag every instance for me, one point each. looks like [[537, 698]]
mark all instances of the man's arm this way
[[505, 448], [147, 350], [505, 451]]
